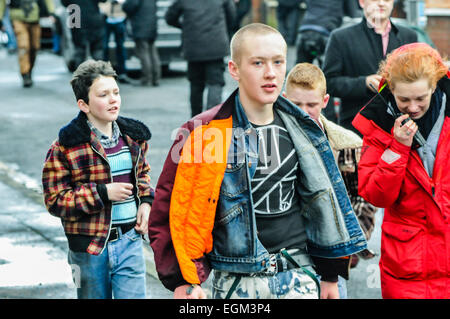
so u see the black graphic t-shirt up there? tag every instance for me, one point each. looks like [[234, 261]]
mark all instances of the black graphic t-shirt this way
[[275, 199]]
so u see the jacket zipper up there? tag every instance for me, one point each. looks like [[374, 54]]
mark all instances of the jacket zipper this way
[[110, 220], [136, 178], [433, 188]]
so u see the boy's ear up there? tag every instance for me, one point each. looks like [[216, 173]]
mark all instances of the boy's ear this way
[[83, 106], [233, 69], [326, 99]]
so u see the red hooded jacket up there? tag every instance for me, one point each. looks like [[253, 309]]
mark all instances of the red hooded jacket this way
[[415, 242]]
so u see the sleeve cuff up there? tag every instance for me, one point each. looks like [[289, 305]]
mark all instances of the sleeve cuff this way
[[330, 268], [147, 199], [400, 148], [102, 192], [329, 278], [150, 198]]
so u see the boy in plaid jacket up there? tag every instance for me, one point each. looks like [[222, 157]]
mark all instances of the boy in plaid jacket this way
[[95, 178]]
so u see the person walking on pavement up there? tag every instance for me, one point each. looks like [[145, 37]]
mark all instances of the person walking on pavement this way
[[115, 23], [24, 15], [89, 35], [262, 201], [205, 28], [306, 87], [404, 169], [142, 14], [243, 7], [353, 54], [95, 178], [321, 17], [288, 15], [6, 26]]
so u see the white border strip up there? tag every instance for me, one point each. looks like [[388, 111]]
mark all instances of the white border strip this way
[[440, 12]]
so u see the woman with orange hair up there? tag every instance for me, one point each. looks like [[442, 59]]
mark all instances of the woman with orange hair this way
[[404, 168]]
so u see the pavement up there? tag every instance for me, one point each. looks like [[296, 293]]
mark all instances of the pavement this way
[[33, 258]]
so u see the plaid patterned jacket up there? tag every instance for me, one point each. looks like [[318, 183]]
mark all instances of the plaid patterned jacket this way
[[74, 167]]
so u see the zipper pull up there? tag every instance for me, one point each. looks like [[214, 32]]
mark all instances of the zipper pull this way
[[432, 189]]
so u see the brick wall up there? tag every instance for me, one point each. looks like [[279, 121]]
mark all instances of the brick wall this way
[[443, 4], [438, 24], [438, 29]]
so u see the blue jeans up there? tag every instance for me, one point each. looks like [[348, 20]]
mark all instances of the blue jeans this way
[[118, 271], [12, 43], [119, 30], [291, 284], [209, 74], [342, 286]]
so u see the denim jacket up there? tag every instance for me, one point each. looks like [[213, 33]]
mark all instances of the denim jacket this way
[[331, 225], [203, 216]]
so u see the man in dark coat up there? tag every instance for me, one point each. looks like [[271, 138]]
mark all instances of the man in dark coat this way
[[89, 34], [142, 14], [205, 25], [353, 54]]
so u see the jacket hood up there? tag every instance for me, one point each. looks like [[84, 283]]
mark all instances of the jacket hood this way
[[78, 132]]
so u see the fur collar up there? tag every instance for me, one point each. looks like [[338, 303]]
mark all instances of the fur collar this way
[[339, 137], [78, 132]]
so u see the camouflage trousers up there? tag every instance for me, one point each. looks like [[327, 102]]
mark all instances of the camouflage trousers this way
[[290, 284], [28, 37]]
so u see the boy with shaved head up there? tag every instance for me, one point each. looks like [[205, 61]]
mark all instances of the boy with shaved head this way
[[250, 189]]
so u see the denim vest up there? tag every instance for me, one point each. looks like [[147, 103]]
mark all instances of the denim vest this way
[[331, 225]]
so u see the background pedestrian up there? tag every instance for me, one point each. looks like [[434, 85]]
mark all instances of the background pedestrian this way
[[243, 7], [7, 27], [115, 24], [25, 16], [142, 14], [353, 54], [205, 25], [88, 38], [288, 15]]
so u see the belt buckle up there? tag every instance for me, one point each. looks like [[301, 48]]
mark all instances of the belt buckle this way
[[272, 270], [116, 231]]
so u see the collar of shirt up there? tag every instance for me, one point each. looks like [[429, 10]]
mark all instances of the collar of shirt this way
[[319, 122], [386, 30], [384, 35], [106, 141]]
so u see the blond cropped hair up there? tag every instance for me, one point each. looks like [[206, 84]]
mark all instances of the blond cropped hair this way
[[307, 76], [252, 29]]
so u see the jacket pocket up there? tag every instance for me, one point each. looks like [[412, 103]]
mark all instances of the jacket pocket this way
[[325, 224], [231, 233], [402, 250], [234, 180]]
